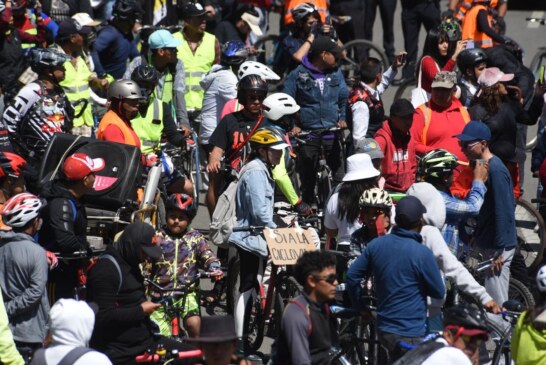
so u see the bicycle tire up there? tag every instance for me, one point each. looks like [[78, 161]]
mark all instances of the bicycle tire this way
[[404, 90], [350, 64], [232, 287], [254, 323], [530, 229], [496, 334], [518, 291]]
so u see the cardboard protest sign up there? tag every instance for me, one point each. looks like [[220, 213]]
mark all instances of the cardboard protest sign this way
[[286, 245]]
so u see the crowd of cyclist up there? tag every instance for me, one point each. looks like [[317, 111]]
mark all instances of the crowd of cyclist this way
[[405, 182]]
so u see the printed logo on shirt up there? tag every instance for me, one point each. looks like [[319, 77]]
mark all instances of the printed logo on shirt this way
[[400, 155]]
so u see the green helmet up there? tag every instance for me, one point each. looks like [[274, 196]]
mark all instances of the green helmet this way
[[436, 163]]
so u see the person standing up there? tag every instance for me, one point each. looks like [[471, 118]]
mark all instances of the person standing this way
[[23, 273], [387, 9]]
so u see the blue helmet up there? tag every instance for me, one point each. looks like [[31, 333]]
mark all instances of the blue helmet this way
[[234, 53]]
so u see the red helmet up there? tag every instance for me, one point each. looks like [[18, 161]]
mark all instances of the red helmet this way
[[11, 164], [181, 202]]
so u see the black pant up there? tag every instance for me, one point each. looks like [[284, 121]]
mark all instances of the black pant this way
[[352, 29], [249, 269], [307, 164], [390, 343], [386, 9], [414, 14]]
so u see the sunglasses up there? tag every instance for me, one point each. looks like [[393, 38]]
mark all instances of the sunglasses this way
[[468, 144], [257, 96], [474, 340], [330, 279]]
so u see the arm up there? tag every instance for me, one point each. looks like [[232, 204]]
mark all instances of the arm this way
[[430, 273], [417, 132], [170, 129], [361, 120], [295, 325], [470, 206], [280, 175], [8, 352], [259, 206], [103, 42], [19, 107], [358, 270], [386, 79], [179, 96], [205, 256], [303, 50], [343, 96], [37, 268], [483, 26], [217, 52]]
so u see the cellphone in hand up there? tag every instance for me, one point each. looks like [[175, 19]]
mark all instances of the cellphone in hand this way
[[402, 58]]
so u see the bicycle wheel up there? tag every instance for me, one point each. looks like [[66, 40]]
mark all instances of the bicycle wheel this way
[[254, 323], [353, 335], [350, 65], [287, 288], [518, 291], [489, 349], [530, 232], [233, 282], [404, 90]]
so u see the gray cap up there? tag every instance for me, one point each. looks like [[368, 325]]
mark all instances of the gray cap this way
[[369, 146]]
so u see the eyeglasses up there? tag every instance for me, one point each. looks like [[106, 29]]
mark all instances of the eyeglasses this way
[[330, 279], [468, 144], [474, 340]]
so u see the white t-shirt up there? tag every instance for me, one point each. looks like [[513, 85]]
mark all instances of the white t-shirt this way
[[332, 221], [447, 356]]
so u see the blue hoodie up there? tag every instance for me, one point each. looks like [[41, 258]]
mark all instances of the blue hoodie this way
[[404, 272]]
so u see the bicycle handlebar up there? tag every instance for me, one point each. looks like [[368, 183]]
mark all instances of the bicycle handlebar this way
[[185, 286], [175, 354], [78, 255], [249, 228]]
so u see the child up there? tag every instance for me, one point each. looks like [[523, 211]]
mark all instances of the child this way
[[185, 250], [471, 63]]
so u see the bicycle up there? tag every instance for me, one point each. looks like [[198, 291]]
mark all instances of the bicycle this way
[[161, 356], [539, 59], [530, 228], [170, 301], [350, 64]]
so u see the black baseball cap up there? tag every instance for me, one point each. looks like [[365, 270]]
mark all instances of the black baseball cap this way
[[70, 27], [324, 43], [193, 9], [402, 108]]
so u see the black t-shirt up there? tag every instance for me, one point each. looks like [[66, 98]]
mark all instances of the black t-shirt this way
[[231, 131]]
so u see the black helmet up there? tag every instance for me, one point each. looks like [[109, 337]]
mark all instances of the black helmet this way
[[234, 53], [145, 76], [465, 316], [470, 58], [251, 83], [44, 59], [126, 10], [181, 202]]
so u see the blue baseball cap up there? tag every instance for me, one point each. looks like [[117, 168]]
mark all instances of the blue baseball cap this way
[[409, 211], [163, 39], [474, 131]]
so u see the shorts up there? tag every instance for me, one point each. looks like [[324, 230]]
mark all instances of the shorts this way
[[164, 324]]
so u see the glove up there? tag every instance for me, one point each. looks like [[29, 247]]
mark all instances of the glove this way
[[52, 260], [501, 24], [303, 208], [151, 159], [448, 14]]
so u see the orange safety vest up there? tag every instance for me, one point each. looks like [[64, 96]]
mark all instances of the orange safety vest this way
[[470, 27], [464, 5], [427, 113], [321, 5], [111, 118]]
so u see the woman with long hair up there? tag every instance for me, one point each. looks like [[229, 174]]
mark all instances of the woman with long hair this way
[[442, 46], [529, 337]]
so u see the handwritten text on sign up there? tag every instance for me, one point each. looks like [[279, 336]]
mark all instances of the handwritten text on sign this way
[[286, 245]]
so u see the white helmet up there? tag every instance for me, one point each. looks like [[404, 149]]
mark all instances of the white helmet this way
[[277, 105], [541, 279], [21, 209], [257, 68], [375, 197]]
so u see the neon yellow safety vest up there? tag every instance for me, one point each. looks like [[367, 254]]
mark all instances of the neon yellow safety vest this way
[[149, 128], [196, 66], [76, 86]]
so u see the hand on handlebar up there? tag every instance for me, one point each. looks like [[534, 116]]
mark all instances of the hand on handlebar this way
[[492, 306], [342, 124], [186, 131], [213, 166], [151, 159], [496, 265], [303, 208], [149, 307], [216, 274]]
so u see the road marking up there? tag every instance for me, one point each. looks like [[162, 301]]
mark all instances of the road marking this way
[[535, 14]]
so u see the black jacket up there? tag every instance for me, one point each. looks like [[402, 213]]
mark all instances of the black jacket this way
[[63, 230], [122, 329]]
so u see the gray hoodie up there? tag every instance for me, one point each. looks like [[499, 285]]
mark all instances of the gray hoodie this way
[[23, 278], [450, 267], [220, 86]]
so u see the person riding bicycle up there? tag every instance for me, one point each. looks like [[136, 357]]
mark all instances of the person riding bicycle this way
[[79, 73], [254, 207], [528, 336], [13, 169], [471, 63], [23, 273], [280, 110], [319, 88], [406, 273], [465, 328], [115, 44], [172, 85], [308, 331], [220, 85], [185, 250], [436, 167], [65, 228], [41, 108], [123, 329]]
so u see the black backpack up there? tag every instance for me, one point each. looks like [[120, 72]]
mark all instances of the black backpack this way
[[418, 355]]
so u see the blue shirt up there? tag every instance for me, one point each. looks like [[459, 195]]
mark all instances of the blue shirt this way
[[405, 273], [496, 227], [112, 49]]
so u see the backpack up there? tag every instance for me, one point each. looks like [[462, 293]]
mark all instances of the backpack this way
[[70, 358], [224, 217], [114, 262], [418, 355]]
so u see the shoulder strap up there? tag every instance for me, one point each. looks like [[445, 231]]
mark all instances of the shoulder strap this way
[[307, 312], [74, 355], [118, 269], [427, 114], [74, 210], [241, 145]]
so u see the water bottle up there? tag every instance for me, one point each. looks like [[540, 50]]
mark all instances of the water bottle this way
[[341, 288]]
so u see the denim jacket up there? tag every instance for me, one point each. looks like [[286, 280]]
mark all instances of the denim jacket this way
[[318, 110], [254, 206]]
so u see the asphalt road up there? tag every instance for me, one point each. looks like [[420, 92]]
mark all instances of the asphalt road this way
[[529, 35]]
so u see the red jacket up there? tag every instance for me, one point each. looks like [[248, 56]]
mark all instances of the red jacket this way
[[400, 163], [429, 69]]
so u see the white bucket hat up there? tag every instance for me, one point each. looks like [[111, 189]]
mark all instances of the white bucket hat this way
[[360, 167]]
